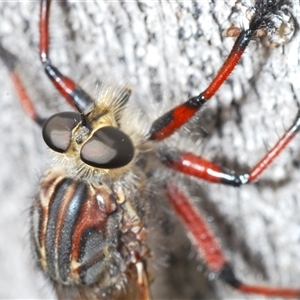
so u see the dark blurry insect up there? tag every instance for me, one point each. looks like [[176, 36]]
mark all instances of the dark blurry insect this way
[[90, 214]]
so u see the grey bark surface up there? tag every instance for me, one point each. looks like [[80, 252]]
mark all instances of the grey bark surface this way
[[166, 51]]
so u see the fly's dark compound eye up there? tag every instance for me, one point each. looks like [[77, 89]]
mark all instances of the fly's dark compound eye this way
[[108, 148], [57, 130]]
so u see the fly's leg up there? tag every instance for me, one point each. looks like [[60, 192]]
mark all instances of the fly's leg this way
[[72, 92], [260, 22], [196, 166], [210, 250], [168, 123], [10, 61]]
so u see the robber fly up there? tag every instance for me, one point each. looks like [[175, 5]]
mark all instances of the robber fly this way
[[90, 214]]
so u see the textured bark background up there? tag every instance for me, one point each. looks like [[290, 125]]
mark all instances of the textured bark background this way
[[165, 51]]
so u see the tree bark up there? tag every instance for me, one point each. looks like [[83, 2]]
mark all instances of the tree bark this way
[[166, 51]]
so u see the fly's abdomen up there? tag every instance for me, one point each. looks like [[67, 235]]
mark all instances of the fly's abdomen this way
[[73, 229]]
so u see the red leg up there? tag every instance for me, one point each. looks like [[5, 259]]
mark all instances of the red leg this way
[[201, 168], [10, 62], [167, 124], [175, 118], [276, 150], [73, 93], [211, 252]]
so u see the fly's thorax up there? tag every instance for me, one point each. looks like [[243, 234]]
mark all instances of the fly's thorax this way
[[74, 230], [84, 233]]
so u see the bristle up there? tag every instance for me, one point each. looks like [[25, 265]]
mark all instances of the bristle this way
[[112, 97]]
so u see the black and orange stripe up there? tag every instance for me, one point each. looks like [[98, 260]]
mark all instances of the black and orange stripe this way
[[74, 237]]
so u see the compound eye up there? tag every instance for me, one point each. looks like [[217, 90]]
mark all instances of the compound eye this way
[[57, 130], [108, 148]]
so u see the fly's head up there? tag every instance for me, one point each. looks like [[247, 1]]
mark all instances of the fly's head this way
[[92, 145]]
